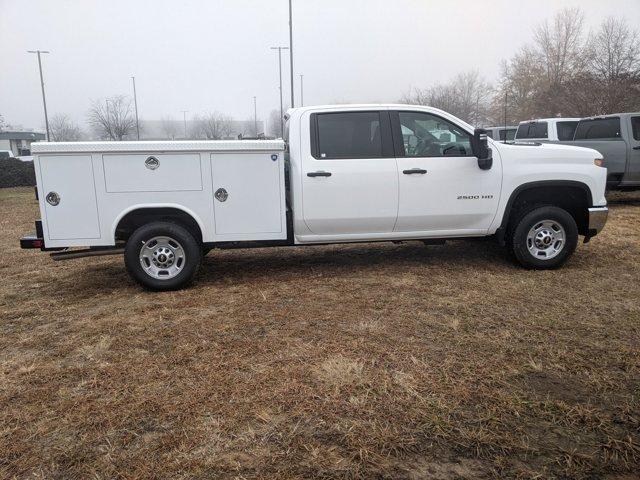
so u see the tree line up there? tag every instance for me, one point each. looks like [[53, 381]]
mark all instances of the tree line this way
[[564, 71]]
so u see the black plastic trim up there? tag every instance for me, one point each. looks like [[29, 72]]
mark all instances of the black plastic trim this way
[[500, 232]]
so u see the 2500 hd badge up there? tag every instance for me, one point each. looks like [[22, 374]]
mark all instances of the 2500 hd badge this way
[[474, 197]]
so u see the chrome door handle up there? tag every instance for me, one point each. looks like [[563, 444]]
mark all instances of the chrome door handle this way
[[319, 174], [413, 171]]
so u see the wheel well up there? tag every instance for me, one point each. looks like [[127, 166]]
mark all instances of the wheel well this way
[[574, 198], [141, 216]]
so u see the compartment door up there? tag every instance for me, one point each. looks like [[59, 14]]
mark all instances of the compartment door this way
[[248, 191], [76, 214]]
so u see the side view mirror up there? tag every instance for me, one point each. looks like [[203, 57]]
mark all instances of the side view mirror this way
[[480, 146]]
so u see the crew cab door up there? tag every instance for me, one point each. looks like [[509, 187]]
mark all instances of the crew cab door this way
[[349, 174], [442, 191]]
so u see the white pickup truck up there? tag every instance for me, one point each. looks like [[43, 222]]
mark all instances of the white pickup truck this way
[[356, 173]]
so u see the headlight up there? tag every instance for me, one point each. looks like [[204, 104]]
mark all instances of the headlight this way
[[599, 162]]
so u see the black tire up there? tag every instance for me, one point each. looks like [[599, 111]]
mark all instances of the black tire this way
[[191, 256], [546, 219]]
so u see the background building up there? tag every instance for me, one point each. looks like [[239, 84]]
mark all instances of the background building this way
[[19, 142]]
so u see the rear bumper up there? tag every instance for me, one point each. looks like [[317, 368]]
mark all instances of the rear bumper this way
[[31, 241], [597, 219], [34, 240]]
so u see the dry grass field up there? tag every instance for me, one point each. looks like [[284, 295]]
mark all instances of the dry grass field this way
[[357, 361]]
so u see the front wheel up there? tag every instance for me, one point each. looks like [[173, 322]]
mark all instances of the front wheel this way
[[162, 256], [544, 238]]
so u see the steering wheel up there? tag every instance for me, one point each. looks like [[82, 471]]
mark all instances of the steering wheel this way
[[448, 147]]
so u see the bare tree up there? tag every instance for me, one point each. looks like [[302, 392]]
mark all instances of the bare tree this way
[[3, 124], [467, 96], [112, 119], [560, 45], [213, 126], [614, 50], [516, 97], [63, 129], [170, 127]]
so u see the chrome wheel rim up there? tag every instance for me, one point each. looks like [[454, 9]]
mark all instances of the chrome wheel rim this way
[[546, 239], [162, 257]]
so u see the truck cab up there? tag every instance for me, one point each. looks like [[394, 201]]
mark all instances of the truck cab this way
[[343, 173]]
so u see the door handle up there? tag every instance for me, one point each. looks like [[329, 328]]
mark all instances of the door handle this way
[[413, 171], [636, 147], [319, 174]]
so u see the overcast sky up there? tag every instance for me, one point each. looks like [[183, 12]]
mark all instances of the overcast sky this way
[[206, 55]]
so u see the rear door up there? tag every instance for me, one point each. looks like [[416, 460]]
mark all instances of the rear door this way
[[441, 188], [349, 176]]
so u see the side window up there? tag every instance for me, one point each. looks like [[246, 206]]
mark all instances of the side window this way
[[635, 126], [349, 135], [533, 130], [426, 135], [566, 130], [490, 133], [598, 128], [511, 134]]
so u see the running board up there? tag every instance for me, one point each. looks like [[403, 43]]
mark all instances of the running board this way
[[69, 255]]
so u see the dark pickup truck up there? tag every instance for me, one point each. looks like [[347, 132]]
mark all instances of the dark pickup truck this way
[[617, 138]]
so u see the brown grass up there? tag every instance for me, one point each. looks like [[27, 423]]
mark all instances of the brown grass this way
[[354, 361]]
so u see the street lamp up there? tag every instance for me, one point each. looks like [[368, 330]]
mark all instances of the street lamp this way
[[255, 117], [291, 51], [44, 100], [280, 72], [301, 90], [135, 102], [184, 119]]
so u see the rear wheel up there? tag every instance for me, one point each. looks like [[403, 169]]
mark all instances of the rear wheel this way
[[544, 238], [162, 256]]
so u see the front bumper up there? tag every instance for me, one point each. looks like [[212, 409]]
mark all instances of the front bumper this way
[[597, 219]]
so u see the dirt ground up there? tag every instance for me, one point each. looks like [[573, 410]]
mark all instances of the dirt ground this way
[[357, 361]]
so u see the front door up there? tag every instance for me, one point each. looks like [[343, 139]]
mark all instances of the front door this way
[[349, 176], [442, 190]]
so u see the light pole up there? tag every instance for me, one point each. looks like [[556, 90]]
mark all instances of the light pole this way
[[291, 51], [184, 119], [135, 103], [280, 70], [255, 117], [301, 90], [44, 100]]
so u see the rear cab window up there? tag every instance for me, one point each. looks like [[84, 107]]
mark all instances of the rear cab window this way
[[635, 127], [531, 130], [598, 129], [566, 130], [508, 134]]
